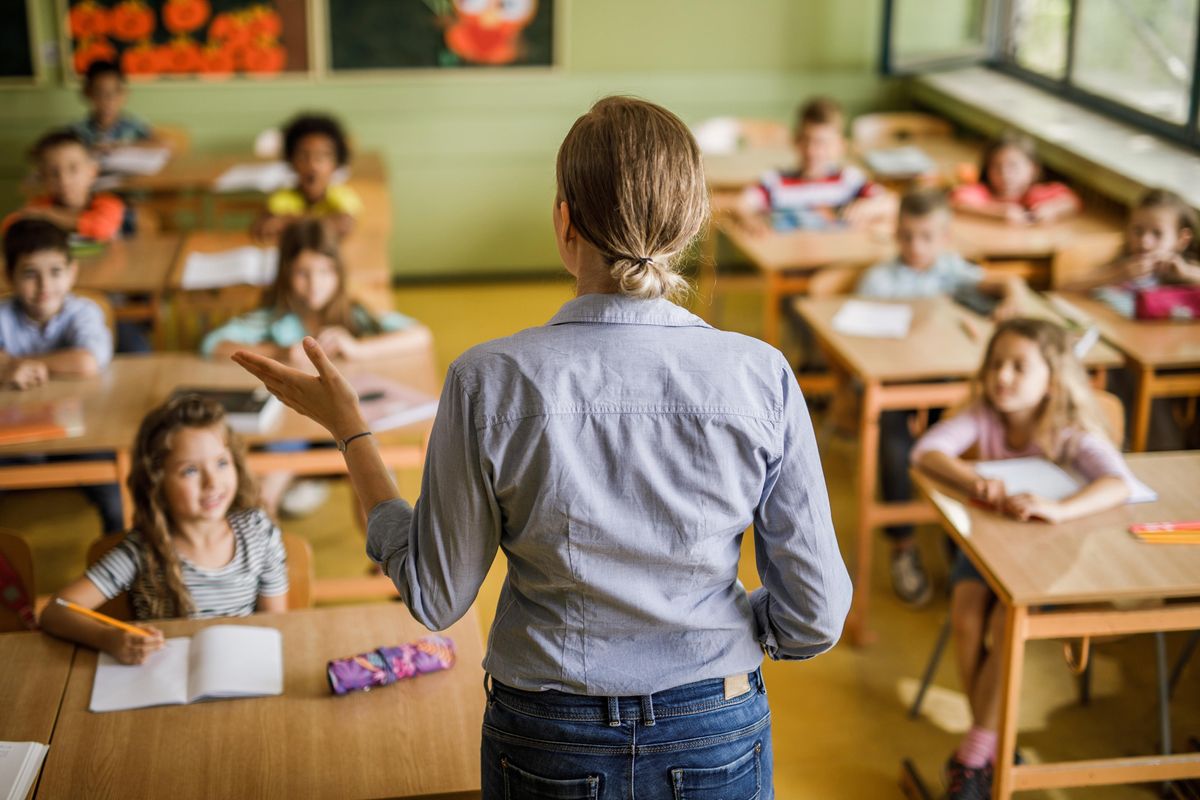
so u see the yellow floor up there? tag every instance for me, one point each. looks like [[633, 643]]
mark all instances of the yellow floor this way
[[839, 721]]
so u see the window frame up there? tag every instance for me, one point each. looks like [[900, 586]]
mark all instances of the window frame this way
[[999, 16]]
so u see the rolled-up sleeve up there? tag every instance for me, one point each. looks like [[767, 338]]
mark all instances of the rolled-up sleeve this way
[[438, 552], [802, 605]]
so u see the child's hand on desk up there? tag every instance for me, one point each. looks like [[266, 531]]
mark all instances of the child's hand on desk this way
[[27, 374], [1026, 507], [990, 491], [132, 648], [337, 341], [1016, 214]]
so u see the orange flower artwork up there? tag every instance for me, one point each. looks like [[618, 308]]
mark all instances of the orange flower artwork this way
[[141, 59], [131, 21], [88, 20], [93, 50], [184, 16]]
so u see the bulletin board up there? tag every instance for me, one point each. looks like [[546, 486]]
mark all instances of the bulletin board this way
[[18, 48], [173, 39], [444, 35]]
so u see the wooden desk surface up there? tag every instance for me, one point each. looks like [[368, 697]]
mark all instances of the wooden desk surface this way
[[196, 171], [33, 677], [808, 250], [978, 237], [115, 401], [417, 737], [137, 265], [937, 346], [1094, 559], [1157, 344]]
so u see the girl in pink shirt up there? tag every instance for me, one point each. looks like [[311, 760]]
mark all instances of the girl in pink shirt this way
[[1030, 398], [1010, 189]]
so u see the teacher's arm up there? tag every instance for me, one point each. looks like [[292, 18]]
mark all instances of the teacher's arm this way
[[438, 552], [806, 591]]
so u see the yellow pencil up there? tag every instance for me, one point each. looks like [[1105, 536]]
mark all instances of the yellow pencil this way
[[107, 620]]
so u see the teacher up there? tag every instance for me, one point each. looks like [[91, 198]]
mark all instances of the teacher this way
[[616, 454]]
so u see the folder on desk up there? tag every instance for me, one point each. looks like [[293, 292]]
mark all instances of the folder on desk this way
[[246, 410], [1040, 476], [220, 662], [135, 160], [43, 422]]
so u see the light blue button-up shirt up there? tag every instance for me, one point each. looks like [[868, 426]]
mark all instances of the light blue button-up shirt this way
[[617, 455]]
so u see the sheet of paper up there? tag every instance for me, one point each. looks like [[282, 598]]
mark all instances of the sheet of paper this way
[[874, 320], [386, 404], [254, 266], [899, 161], [1046, 479], [162, 680], [265, 177], [236, 661], [19, 766], [135, 160]]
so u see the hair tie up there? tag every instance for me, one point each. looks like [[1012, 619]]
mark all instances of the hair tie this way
[[641, 262]]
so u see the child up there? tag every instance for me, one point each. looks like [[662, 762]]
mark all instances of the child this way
[[68, 171], [1031, 398], [199, 546], [1008, 187], [925, 267], [316, 147], [46, 332], [309, 299], [821, 182], [107, 125]]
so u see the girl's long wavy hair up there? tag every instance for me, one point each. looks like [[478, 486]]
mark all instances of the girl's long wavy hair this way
[[1069, 405], [162, 577], [312, 234]]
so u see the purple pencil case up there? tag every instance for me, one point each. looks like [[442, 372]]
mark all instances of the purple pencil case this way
[[384, 666]]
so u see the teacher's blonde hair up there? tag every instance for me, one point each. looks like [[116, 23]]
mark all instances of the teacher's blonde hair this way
[[632, 176]]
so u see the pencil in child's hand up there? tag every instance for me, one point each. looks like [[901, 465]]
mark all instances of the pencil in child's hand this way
[[104, 618]]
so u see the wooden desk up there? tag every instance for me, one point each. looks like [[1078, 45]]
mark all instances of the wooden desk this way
[[1089, 561], [929, 369], [33, 677], [977, 237], [196, 172], [115, 402], [1165, 355], [417, 737]]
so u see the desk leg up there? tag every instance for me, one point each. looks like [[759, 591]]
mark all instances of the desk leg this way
[[772, 297], [1010, 685], [124, 464], [859, 626], [1141, 407]]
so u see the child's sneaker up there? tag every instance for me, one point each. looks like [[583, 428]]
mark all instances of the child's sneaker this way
[[968, 783], [304, 497], [910, 582]]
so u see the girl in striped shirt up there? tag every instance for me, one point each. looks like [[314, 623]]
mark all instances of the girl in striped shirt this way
[[200, 546]]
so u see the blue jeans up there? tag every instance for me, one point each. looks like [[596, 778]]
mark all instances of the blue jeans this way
[[686, 742]]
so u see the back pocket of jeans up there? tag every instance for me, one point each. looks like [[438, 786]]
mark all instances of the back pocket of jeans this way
[[740, 779], [522, 785]]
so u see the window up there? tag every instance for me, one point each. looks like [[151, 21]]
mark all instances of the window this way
[[1132, 59]]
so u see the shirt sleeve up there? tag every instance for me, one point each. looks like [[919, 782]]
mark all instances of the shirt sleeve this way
[[395, 321], [285, 203], [756, 198], [971, 194], [1042, 193], [876, 283], [953, 436], [438, 552], [139, 129], [344, 200], [273, 580], [1094, 457], [252, 328], [102, 219], [963, 273], [117, 569], [88, 330], [801, 607]]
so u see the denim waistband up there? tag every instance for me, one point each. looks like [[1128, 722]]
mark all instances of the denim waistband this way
[[679, 701]]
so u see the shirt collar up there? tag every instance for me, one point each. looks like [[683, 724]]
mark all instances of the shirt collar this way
[[622, 310]]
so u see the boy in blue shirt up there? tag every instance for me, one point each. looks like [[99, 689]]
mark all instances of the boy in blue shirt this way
[[107, 125], [46, 332]]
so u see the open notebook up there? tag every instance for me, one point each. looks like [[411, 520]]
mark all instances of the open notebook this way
[[19, 766], [1035, 475], [873, 320], [249, 265], [135, 160], [219, 662]]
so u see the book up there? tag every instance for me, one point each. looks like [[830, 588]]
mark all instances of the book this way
[[20, 763], [253, 266], [899, 162], [246, 410], [386, 404], [1040, 476], [268, 176], [135, 160], [42, 422], [873, 320], [220, 662]]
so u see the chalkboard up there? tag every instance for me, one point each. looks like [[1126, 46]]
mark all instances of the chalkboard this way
[[16, 47], [440, 34]]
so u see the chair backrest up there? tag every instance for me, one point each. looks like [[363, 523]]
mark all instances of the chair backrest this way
[[890, 128], [15, 550], [1083, 257], [175, 137], [300, 571]]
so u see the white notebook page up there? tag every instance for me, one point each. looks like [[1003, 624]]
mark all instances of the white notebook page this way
[[161, 680], [235, 661]]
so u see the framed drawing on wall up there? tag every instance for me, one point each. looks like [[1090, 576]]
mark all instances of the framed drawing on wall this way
[[162, 39], [20, 63], [374, 35]]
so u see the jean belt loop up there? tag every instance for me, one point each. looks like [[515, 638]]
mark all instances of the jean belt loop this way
[[647, 709], [614, 712], [487, 686]]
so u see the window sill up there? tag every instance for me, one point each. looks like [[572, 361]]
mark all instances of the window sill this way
[[1110, 157]]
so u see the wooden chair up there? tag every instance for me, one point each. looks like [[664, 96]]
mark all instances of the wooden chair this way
[[15, 550], [894, 128], [300, 573]]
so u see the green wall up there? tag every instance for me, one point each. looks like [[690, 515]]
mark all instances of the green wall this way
[[471, 155]]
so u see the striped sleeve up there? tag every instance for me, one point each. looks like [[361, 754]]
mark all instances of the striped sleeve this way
[[117, 569], [273, 577]]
